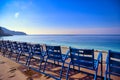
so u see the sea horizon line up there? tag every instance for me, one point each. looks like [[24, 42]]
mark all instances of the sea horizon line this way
[[74, 34]]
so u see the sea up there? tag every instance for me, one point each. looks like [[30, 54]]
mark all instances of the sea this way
[[97, 42]]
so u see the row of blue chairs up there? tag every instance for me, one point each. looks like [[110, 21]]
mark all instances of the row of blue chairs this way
[[80, 58]]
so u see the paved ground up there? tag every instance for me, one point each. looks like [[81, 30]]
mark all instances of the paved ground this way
[[10, 70]]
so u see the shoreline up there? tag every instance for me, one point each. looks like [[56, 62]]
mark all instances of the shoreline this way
[[100, 43]]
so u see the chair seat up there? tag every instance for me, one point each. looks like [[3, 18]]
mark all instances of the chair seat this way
[[85, 64], [64, 57], [39, 53], [114, 70], [113, 64]]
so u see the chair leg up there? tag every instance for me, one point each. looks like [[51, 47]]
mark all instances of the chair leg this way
[[9, 54], [3, 53], [78, 69], [61, 70], [58, 63], [73, 67], [17, 56], [45, 66], [67, 74], [96, 71], [41, 60], [29, 62], [95, 76], [105, 77], [108, 76], [101, 67], [54, 62]]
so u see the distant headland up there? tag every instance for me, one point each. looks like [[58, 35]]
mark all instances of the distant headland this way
[[7, 32]]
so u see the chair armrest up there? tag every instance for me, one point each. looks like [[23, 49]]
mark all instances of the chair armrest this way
[[66, 55], [107, 59], [99, 59], [107, 63], [44, 53]]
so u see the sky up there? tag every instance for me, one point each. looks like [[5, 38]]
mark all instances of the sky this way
[[61, 16]]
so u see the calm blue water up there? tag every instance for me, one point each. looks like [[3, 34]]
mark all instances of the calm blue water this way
[[100, 42]]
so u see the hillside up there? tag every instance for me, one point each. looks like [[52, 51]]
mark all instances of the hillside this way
[[7, 32], [2, 33]]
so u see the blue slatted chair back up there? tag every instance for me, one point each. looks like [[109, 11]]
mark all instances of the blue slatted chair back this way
[[114, 62], [38, 49], [1, 43], [19, 47], [9, 46], [24, 47], [15, 45], [4, 45], [82, 57], [54, 52]]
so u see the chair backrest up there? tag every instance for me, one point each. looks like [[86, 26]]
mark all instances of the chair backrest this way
[[24, 47], [82, 57], [37, 49], [19, 47], [9, 44], [4, 46], [114, 62], [1, 43], [54, 52]]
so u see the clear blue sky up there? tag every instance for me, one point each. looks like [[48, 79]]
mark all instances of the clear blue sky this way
[[61, 16]]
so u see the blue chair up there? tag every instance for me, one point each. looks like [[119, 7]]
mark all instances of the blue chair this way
[[8, 49], [37, 54], [112, 64], [3, 47], [1, 44], [54, 53], [84, 58], [25, 51], [13, 48], [17, 49]]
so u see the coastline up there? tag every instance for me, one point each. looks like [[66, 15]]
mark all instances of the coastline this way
[[101, 42]]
